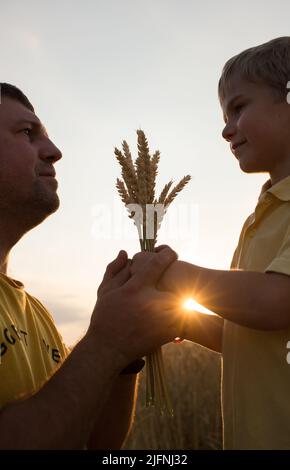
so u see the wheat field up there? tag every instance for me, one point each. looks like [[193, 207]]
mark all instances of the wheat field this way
[[193, 378]]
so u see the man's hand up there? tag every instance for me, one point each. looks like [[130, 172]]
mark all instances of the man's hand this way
[[131, 315]]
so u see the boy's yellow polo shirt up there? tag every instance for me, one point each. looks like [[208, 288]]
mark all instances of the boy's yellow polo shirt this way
[[31, 349], [256, 374]]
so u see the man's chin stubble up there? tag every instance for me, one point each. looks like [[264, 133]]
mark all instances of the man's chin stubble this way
[[44, 203]]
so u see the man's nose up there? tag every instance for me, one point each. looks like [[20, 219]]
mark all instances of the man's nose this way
[[49, 151]]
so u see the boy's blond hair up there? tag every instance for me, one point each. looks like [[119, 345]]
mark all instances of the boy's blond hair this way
[[267, 64]]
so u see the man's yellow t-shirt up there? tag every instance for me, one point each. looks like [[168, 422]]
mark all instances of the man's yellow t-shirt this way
[[31, 349], [256, 371]]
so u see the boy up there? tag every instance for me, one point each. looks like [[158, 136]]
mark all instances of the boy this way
[[252, 300]]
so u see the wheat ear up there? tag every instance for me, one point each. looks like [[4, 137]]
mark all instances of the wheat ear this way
[[152, 177], [164, 192], [176, 190], [124, 195], [129, 175], [143, 163]]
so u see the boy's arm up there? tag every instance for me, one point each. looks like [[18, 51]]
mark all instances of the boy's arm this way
[[206, 330], [251, 299]]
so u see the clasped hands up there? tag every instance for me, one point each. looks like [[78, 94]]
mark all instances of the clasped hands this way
[[138, 262], [142, 258], [136, 310]]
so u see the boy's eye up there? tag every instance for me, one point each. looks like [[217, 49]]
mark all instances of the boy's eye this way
[[238, 107]]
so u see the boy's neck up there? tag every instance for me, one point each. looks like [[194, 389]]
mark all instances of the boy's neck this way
[[276, 180], [279, 174]]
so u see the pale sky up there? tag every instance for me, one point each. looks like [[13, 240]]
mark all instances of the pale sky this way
[[95, 72]]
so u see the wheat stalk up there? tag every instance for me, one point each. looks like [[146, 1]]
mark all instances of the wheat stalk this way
[[138, 186]]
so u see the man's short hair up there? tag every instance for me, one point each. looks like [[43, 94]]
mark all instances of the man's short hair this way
[[267, 64], [11, 91]]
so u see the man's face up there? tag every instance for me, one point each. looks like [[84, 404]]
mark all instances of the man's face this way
[[27, 157], [254, 118]]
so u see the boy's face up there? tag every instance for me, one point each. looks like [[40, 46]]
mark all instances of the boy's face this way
[[27, 157], [255, 120]]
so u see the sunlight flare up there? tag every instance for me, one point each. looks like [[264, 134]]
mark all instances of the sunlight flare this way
[[191, 305]]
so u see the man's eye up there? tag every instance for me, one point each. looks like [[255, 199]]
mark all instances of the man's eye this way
[[27, 131]]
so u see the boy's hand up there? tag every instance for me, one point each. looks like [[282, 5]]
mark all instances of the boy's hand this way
[[140, 259], [171, 279]]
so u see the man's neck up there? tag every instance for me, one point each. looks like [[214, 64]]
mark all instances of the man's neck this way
[[12, 229], [3, 268], [3, 263], [8, 238]]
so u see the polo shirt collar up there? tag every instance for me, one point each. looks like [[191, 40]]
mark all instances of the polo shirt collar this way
[[281, 189]]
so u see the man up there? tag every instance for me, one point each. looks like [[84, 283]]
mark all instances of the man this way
[[50, 399]]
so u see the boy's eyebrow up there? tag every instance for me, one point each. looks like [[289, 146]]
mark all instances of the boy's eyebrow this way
[[230, 103]]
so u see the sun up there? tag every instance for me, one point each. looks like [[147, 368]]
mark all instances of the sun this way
[[191, 305]]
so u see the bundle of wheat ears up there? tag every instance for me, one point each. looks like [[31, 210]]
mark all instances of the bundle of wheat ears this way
[[137, 191]]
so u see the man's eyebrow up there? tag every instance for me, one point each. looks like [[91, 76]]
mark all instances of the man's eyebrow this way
[[35, 124]]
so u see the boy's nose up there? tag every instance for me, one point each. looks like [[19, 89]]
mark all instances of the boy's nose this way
[[228, 131]]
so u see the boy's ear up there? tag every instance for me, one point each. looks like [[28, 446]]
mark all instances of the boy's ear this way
[[288, 93]]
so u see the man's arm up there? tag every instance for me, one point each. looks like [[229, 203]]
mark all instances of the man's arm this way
[[251, 299], [116, 417], [62, 414], [126, 324]]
